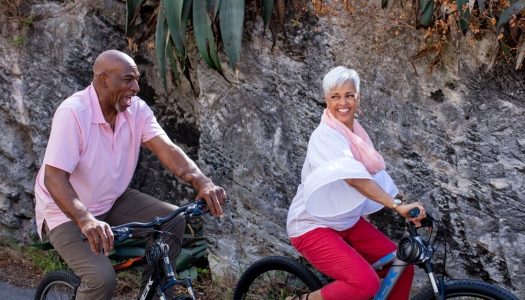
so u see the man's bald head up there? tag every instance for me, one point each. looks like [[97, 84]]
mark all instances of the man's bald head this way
[[111, 60]]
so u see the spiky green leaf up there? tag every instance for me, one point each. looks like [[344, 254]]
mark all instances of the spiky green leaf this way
[[173, 18], [160, 44], [212, 6], [267, 8], [186, 12], [427, 10], [464, 15], [171, 52], [43, 246], [231, 21], [132, 9], [192, 272], [384, 3], [203, 32], [424, 5], [126, 252], [481, 5], [509, 13]]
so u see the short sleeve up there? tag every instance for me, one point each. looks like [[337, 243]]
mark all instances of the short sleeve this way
[[65, 141], [151, 127], [330, 162]]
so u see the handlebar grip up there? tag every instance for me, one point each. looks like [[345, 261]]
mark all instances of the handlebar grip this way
[[83, 237], [414, 212], [201, 202]]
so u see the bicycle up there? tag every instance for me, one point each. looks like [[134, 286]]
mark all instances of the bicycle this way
[[63, 284], [278, 277]]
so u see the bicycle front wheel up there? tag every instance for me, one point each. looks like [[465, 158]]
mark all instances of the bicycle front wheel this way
[[275, 278], [468, 289], [58, 285]]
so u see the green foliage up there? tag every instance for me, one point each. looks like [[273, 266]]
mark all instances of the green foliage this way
[[232, 20], [47, 260], [18, 42], [203, 15], [426, 10], [30, 20], [215, 23]]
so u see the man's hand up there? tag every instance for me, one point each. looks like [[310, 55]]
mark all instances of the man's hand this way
[[214, 196], [98, 232]]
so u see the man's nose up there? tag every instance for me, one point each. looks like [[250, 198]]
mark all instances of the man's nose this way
[[135, 86]]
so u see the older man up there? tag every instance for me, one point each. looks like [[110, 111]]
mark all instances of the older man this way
[[92, 153]]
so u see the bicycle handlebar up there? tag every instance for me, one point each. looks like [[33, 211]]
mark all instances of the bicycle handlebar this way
[[122, 232], [426, 222]]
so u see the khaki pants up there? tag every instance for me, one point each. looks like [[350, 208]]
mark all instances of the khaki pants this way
[[98, 279]]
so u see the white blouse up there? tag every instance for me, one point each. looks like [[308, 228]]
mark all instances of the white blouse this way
[[323, 198]]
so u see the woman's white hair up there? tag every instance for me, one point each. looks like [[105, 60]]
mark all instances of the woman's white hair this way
[[337, 77]]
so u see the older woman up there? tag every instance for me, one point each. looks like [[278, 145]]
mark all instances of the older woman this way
[[343, 179]]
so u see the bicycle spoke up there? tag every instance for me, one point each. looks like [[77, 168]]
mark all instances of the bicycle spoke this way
[[275, 285], [59, 291]]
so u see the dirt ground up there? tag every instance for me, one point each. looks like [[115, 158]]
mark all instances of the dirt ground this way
[[18, 269]]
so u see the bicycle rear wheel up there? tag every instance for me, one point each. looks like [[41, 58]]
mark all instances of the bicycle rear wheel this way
[[58, 285], [275, 277], [468, 289]]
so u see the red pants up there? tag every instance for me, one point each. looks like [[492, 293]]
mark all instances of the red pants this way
[[329, 252]]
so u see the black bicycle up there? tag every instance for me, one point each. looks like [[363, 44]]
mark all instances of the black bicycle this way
[[63, 284], [278, 277]]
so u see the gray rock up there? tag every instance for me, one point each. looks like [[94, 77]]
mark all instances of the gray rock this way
[[453, 141]]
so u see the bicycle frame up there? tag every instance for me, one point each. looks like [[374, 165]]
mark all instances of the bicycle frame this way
[[390, 280], [161, 267], [398, 266]]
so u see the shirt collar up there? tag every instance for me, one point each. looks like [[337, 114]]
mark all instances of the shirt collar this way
[[97, 116]]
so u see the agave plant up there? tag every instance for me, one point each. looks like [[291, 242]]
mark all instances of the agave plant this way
[[510, 27], [214, 23]]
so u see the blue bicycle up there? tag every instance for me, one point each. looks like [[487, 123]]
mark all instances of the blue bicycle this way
[[278, 277]]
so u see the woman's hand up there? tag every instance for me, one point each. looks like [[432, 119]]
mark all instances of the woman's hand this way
[[403, 210]]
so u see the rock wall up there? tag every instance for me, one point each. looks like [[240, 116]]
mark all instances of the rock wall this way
[[453, 141]]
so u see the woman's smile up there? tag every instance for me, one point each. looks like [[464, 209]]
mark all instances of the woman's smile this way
[[342, 103]]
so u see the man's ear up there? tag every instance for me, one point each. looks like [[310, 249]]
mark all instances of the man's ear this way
[[102, 79]]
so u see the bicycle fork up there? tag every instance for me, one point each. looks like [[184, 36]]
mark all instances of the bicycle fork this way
[[397, 267]]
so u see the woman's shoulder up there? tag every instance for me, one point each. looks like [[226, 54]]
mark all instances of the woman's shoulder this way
[[324, 132]]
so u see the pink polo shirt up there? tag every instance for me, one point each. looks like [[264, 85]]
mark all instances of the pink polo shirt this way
[[101, 162]]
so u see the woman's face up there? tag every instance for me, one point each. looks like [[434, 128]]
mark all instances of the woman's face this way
[[342, 103]]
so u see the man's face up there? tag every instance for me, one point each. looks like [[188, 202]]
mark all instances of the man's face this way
[[122, 84]]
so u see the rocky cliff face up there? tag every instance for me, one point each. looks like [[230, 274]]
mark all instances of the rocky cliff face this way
[[453, 142]]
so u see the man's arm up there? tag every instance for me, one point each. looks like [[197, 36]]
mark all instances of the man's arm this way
[[175, 160], [58, 185]]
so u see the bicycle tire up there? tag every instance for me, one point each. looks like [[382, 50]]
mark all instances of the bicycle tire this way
[[58, 285], [473, 289], [275, 277]]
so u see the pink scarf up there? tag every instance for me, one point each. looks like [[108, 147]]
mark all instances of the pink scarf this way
[[360, 144]]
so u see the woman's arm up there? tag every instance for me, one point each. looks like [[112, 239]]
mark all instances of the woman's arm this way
[[370, 189]]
